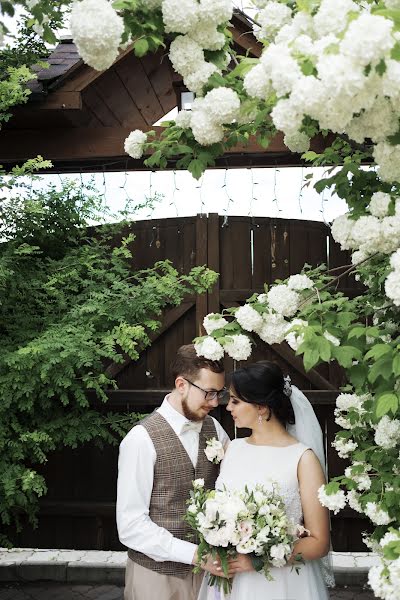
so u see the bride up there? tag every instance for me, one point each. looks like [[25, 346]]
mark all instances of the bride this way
[[284, 449]]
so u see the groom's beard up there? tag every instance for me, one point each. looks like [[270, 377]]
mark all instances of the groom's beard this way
[[191, 415]]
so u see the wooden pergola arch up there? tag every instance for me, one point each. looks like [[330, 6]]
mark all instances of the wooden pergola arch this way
[[79, 118]]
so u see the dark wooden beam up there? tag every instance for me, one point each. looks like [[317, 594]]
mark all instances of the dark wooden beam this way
[[102, 148]]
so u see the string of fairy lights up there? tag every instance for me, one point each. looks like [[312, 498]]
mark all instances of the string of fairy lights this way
[[264, 190]]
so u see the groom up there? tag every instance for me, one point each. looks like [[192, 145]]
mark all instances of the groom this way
[[158, 460]]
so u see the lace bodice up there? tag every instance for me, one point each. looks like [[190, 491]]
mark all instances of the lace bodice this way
[[247, 464]]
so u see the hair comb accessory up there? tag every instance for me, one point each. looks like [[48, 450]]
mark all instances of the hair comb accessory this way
[[287, 386]]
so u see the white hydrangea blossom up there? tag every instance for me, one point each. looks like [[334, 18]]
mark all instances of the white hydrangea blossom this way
[[362, 480], [392, 287], [134, 143], [185, 55], [196, 81], [379, 204], [346, 402], [248, 318], [96, 29], [297, 142], [183, 118], [257, 83], [273, 329], [368, 39], [238, 347], [334, 502], [377, 515], [205, 131], [299, 282], [180, 16], [387, 432], [388, 159], [344, 447], [214, 321], [209, 348], [207, 35], [332, 17], [283, 300], [271, 19], [217, 11], [222, 105], [294, 338], [353, 498], [342, 231], [395, 260]]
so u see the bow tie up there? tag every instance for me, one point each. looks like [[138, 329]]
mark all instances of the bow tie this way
[[192, 426]]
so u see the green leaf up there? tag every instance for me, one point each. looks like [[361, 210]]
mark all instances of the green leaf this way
[[357, 332], [382, 368], [386, 403], [141, 47], [196, 167], [377, 351], [345, 355], [396, 364], [310, 358]]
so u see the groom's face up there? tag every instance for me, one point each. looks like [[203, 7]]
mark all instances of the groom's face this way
[[195, 404]]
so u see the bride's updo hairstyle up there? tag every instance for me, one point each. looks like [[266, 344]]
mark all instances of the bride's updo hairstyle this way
[[262, 383]]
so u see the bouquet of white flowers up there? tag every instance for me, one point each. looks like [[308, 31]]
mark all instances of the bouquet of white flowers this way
[[253, 522]]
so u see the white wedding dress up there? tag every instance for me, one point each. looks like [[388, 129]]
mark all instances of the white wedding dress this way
[[247, 464]]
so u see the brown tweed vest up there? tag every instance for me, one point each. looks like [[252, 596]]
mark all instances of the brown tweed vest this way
[[173, 476]]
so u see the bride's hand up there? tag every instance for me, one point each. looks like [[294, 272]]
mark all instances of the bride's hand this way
[[213, 566], [240, 563]]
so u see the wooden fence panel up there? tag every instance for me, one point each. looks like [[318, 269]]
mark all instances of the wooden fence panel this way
[[78, 511]]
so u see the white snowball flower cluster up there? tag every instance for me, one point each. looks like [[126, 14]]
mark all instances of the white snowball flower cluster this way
[[213, 321], [377, 232], [334, 502], [387, 433], [377, 515], [283, 300], [295, 338], [220, 106], [273, 329], [209, 348], [353, 498], [384, 579], [271, 19], [238, 347], [362, 479], [379, 204], [198, 23], [183, 118], [248, 318], [346, 90], [134, 143], [344, 447], [346, 403], [96, 29], [392, 283], [180, 16]]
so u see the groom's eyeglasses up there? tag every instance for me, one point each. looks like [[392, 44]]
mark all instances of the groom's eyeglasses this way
[[209, 394]]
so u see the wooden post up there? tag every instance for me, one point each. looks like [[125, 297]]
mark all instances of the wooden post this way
[[201, 259], [213, 260]]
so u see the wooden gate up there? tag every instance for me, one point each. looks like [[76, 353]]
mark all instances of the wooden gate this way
[[79, 509]]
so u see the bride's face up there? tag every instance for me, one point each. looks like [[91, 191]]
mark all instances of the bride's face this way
[[243, 413]]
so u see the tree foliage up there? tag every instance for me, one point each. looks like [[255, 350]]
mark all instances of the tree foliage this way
[[71, 302]]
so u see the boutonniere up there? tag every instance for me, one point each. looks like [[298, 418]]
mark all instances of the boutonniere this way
[[214, 451]]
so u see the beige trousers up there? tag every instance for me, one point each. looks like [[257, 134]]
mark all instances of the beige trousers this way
[[144, 584]]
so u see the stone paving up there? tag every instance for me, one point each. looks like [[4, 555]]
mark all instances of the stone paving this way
[[54, 591]]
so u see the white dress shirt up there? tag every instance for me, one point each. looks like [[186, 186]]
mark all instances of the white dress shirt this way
[[137, 457]]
